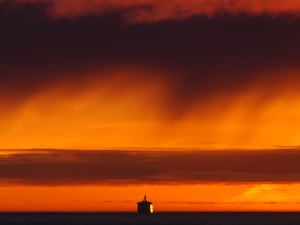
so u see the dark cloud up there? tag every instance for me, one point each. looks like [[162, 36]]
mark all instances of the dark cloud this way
[[202, 57], [55, 167]]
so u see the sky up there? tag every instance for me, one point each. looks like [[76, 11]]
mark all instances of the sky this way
[[194, 103]]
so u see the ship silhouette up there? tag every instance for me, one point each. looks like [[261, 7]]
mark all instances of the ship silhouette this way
[[145, 207]]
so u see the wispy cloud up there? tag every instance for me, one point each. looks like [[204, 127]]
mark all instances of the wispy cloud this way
[[57, 167], [156, 10]]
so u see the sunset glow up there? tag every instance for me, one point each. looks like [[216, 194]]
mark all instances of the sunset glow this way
[[194, 103], [127, 112], [243, 197]]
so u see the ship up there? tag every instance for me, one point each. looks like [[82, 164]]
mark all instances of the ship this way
[[145, 207]]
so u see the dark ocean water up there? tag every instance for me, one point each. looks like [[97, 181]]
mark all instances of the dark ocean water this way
[[158, 218]]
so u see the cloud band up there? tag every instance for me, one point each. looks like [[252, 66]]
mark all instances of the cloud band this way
[[58, 167]]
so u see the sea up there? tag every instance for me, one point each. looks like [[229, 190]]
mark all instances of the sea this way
[[220, 218]]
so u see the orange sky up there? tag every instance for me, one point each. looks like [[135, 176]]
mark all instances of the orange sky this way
[[205, 197], [124, 111], [96, 119], [195, 103], [132, 118]]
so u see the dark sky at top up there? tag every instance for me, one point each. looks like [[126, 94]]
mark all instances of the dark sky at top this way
[[206, 56]]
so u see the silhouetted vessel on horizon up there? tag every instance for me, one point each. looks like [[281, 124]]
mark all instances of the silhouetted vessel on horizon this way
[[145, 207]]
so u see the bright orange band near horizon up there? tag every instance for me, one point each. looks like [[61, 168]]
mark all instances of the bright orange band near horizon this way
[[195, 198]]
